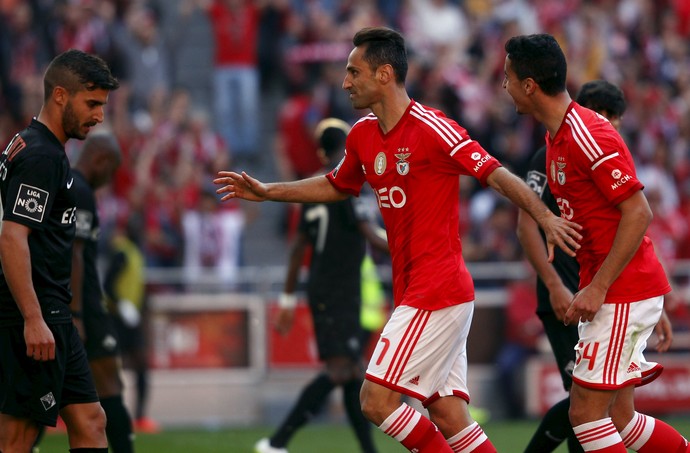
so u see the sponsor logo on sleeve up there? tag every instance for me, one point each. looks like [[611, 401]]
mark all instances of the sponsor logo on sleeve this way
[[31, 202], [480, 158], [620, 179]]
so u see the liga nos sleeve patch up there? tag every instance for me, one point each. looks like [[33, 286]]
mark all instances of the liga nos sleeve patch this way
[[31, 202]]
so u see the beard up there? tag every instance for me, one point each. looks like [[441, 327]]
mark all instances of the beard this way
[[70, 123]]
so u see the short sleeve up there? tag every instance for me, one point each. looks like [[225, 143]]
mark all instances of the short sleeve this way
[[32, 187]]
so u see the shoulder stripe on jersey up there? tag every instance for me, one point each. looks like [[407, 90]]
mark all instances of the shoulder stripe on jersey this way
[[368, 117], [439, 125], [601, 161], [461, 145], [17, 144], [583, 137]]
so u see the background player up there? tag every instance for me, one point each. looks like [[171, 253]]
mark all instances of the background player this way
[[41, 346], [412, 157], [592, 176], [124, 284], [99, 158], [559, 280], [336, 234]]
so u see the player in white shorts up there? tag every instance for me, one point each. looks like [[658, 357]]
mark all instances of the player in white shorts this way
[[632, 323], [412, 156], [591, 174], [423, 354]]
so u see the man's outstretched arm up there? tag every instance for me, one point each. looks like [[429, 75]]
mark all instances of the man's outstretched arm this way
[[310, 190]]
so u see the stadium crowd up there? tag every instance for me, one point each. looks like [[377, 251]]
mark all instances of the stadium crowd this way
[[195, 74]]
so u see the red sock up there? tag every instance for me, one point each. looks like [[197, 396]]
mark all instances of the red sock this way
[[471, 439], [415, 431], [599, 436], [646, 434]]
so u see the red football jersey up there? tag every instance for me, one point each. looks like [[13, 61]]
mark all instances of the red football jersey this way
[[414, 170], [590, 171]]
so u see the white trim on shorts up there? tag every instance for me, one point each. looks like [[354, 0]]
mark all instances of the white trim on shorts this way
[[610, 352], [423, 354]]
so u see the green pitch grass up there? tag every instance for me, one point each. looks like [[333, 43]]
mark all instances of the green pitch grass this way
[[508, 437]]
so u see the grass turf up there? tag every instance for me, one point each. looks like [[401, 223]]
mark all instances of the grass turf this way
[[507, 437]]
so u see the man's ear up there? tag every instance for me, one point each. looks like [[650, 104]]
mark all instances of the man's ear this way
[[529, 86], [384, 73], [60, 95]]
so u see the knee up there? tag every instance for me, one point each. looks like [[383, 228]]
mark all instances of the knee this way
[[369, 407], [97, 422], [374, 408]]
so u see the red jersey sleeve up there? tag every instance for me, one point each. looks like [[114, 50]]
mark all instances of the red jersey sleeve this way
[[348, 176], [458, 152], [611, 166]]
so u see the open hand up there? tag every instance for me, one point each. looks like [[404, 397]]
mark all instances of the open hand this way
[[240, 186]]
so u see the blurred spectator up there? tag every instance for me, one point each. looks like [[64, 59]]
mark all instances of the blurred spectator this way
[[147, 61], [212, 235], [295, 146], [235, 25], [23, 57], [189, 38], [438, 30]]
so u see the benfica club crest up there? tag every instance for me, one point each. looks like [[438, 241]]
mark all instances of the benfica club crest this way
[[561, 173], [557, 175], [402, 165]]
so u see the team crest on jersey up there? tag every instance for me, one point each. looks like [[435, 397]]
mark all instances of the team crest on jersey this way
[[380, 163], [403, 166], [561, 173], [31, 202]]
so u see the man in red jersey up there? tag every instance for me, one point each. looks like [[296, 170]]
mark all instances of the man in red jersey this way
[[622, 284], [412, 157]]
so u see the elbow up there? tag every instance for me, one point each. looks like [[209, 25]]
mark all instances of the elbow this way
[[647, 215]]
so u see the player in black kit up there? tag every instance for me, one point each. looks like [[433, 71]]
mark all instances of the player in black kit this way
[[337, 233], [98, 160], [559, 280], [44, 370]]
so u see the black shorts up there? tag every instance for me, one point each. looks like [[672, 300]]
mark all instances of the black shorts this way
[[101, 336], [38, 390], [338, 333], [130, 339], [563, 340]]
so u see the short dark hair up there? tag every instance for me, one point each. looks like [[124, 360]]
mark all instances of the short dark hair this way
[[383, 46], [75, 70], [331, 134], [540, 58], [101, 142], [602, 96]]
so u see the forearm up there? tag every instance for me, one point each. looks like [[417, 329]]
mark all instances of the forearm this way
[[514, 188], [310, 190], [535, 250]]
